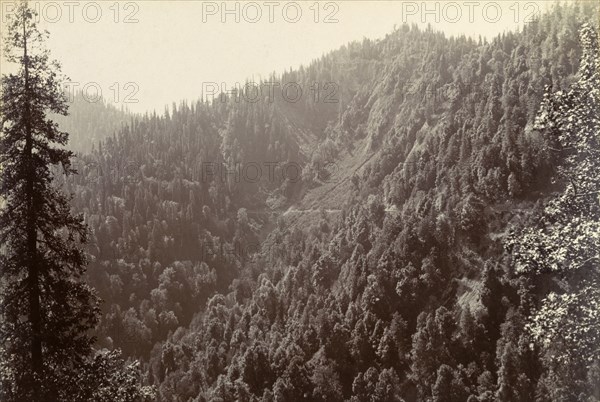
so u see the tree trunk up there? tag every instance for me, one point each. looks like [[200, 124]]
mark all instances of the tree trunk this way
[[32, 266]]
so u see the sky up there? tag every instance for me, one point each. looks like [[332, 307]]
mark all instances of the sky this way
[[145, 55]]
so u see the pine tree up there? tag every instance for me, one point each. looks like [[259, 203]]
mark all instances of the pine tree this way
[[47, 309], [566, 242]]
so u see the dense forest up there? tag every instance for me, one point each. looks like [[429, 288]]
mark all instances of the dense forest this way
[[417, 254]]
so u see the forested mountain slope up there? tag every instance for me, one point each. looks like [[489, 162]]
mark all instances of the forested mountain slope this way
[[400, 288], [91, 119]]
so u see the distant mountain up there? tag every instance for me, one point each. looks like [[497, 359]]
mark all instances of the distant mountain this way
[[371, 264], [91, 120]]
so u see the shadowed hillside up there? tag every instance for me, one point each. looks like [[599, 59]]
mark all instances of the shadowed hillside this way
[[380, 270]]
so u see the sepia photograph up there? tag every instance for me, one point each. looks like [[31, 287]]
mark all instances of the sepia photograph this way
[[312, 200]]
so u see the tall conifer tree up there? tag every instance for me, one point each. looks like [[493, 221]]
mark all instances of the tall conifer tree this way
[[47, 309]]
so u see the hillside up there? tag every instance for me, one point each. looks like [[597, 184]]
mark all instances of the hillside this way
[[90, 120], [381, 271]]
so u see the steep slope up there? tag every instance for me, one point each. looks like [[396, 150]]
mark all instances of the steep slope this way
[[91, 120], [407, 292], [380, 273]]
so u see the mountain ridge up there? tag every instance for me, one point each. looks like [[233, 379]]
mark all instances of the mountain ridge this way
[[394, 270]]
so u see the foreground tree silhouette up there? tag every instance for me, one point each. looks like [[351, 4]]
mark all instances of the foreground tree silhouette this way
[[47, 310]]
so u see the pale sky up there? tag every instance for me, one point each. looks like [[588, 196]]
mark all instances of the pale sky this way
[[159, 52]]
